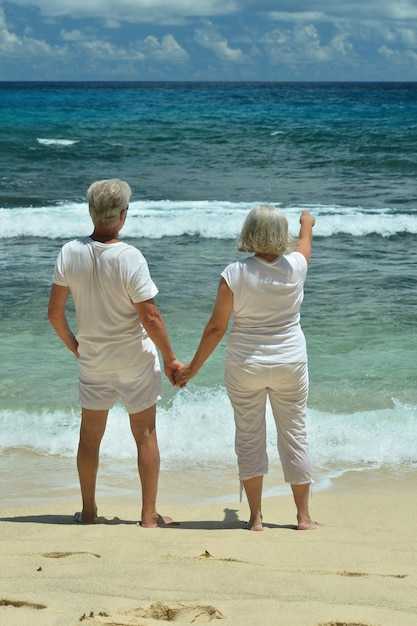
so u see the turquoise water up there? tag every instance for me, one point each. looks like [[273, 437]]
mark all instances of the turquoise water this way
[[198, 157]]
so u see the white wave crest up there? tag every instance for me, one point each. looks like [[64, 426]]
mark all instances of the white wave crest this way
[[198, 428], [56, 142], [208, 219]]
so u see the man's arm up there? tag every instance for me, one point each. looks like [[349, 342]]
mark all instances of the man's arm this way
[[56, 316], [153, 323]]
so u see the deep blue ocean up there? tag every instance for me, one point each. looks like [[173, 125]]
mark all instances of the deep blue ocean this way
[[198, 157]]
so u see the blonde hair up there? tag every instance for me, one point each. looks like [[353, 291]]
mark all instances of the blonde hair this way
[[106, 200], [265, 231]]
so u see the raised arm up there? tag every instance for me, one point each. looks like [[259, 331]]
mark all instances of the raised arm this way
[[212, 334], [305, 238], [153, 323], [58, 319]]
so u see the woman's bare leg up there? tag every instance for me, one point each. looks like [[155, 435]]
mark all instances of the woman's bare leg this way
[[253, 490], [301, 495]]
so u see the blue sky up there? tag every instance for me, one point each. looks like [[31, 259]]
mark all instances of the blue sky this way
[[264, 40]]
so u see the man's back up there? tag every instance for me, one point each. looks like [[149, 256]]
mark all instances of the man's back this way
[[105, 280]]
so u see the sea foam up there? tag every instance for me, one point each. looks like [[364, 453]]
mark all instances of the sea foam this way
[[207, 219], [56, 142], [197, 428]]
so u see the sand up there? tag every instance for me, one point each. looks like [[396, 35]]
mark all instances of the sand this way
[[359, 568]]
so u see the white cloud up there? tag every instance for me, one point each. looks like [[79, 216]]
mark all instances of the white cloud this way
[[412, 56], [134, 11], [399, 57], [101, 49], [400, 35], [408, 37], [302, 45], [341, 44], [165, 12], [208, 38], [112, 24], [165, 50], [73, 35], [386, 52], [306, 38], [299, 16], [402, 10], [14, 46], [331, 10], [399, 61], [2, 18]]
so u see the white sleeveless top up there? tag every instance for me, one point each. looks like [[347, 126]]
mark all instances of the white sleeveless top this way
[[267, 297]]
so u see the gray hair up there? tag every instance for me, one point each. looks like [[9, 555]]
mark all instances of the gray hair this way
[[106, 200], [265, 231]]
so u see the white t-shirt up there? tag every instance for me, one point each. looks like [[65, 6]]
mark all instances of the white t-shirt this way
[[267, 297], [105, 280]]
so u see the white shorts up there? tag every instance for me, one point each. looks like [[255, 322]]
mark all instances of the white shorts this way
[[139, 388], [286, 385]]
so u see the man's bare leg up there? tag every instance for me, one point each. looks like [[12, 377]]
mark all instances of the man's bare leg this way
[[144, 433], [301, 495], [253, 490], [93, 425]]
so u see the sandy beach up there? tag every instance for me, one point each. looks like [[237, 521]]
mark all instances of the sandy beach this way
[[358, 569]]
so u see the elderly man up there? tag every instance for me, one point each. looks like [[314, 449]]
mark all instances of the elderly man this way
[[118, 327]]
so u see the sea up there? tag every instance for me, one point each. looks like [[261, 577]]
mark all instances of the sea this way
[[198, 157]]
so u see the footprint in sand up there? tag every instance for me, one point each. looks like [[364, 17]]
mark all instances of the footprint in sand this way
[[177, 612], [342, 624], [351, 575], [63, 555], [18, 604], [181, 612]]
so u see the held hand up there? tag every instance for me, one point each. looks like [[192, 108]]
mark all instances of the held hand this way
[[307, 218], [183, 375], [170, 368]]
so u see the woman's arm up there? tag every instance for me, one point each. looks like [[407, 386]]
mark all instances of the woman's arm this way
[[212, 334], [305, 238]]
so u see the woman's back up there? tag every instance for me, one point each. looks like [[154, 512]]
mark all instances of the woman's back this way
[[267, 297]]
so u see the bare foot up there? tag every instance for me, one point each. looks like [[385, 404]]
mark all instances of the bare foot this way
[[83, 519], [255, 524], [308, 525], [159, 521]]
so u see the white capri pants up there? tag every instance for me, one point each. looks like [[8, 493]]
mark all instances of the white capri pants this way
[[286, 385]]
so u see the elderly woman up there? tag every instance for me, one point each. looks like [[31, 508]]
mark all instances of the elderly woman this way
[[266, 353]]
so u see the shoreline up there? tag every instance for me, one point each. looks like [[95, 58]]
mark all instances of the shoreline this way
[[27, 477]]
